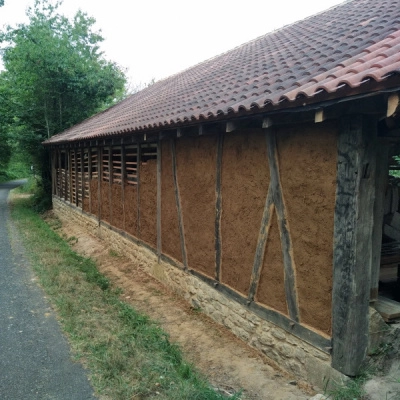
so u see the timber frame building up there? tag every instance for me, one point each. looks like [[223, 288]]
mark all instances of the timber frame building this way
[[257, 177]]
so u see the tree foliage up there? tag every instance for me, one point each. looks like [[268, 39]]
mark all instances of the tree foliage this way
[[55, 75]]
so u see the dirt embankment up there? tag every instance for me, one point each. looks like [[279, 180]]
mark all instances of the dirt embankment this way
[[229, 364]]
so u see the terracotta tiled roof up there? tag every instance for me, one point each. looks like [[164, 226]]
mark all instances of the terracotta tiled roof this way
[[341, 47]]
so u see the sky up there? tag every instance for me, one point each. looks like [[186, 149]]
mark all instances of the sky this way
[[153, 39]]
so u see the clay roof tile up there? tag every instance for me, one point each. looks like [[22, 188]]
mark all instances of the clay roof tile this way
[[346, 45]]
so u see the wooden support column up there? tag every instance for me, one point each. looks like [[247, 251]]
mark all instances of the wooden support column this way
[[178, 205], [89, 175], [218, 208], [123, 174], [99, 180], [159, 238], [381, 178], [352, 248], [110, 181], [70, 166], [76, 176], [138, 166], [82, 177], [275, 187]]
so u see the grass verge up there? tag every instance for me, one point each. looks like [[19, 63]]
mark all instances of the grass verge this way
[[129, 356]]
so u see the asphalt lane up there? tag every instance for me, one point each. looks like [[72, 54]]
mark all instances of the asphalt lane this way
[[35, 361]]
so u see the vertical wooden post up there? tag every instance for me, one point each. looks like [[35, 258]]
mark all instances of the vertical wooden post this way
[[178, 205], [76, 176], [82, 177], [99, 179], [123, 173], [381, 178], [352, 254], [288, 264], [218, 208], [138, 166], [60, 180], [110, 182], [159, 238], [89, 176], [70, 167]]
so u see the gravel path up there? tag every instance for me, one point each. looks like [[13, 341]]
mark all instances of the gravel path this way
[[35, 362]]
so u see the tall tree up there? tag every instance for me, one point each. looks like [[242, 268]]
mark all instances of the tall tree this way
[[55, 75]]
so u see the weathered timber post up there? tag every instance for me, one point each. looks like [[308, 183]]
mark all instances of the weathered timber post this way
[[381, 178], [352, 247]]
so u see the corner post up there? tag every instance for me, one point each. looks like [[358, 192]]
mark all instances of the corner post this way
[[352, 248]]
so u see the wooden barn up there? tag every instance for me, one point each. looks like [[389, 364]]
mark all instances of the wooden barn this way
[[255, 183]]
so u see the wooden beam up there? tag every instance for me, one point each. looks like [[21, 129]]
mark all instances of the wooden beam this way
[[70, 176], [82, 176], [99, 180], [138, 173], [159, 238], [393, 104], [352, 254], [319, 116], [89, 175], [290, 280], [381, 177], [261, 243], [230, 126], [110, 181], [267, 123], [178, 205], [218, 208], [123, 174]]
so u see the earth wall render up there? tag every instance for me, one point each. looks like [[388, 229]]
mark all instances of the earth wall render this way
[[238, 235], [298, 357]]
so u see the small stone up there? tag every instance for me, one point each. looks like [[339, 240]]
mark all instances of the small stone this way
[[294, 383]]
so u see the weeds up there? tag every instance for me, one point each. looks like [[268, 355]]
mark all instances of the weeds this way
[[128, 355]]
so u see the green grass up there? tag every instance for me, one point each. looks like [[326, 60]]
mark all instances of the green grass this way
[[129, 356]]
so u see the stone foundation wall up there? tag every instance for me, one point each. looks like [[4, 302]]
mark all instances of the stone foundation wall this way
[[289, 352]]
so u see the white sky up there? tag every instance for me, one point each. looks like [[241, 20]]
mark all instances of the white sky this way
[[157, 38]]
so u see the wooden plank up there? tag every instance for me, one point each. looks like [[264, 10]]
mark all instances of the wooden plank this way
[[159, 238], [218, 209], [261, 243], [178, 205], [389, 309], [352, 253], [290, 280]]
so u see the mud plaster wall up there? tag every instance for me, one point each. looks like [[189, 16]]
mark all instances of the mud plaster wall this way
[[290, 352], [171, 244], [307, 157], [196, 170], [117, 206], [271, 287], [131, 225], [94, 193], [105, 201], [148, 202], [86, 204], [244, 188]]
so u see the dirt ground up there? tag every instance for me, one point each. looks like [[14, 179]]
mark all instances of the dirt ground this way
[[229, 364]]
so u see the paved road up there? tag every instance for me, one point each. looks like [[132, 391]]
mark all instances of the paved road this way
[[35, 361]]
